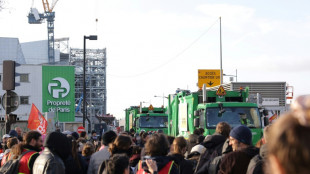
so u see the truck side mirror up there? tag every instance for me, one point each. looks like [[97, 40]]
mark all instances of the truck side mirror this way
[[266, 121], [196, 122]]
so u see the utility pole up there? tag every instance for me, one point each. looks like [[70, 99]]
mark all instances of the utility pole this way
[[221, 50]]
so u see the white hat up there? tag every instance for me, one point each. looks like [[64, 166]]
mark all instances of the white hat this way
[[198, 148], [6, 136]]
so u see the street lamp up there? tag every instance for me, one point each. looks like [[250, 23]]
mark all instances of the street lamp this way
[[91, 37], [232, 75], [163, 98]]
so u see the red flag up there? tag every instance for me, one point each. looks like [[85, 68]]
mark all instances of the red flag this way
[[36, 121]]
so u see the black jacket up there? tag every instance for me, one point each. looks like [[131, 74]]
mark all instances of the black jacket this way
[[214, 146], [257, 162], [185, 166], [48, 163], [237, 162]]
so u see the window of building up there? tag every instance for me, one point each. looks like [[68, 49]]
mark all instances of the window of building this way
[[24, 77], [0, 77], [24, 100]]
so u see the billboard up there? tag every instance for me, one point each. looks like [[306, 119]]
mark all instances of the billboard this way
[[59, 91]]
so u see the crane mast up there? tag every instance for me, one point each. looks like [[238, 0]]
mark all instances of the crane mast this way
[[35, 18]]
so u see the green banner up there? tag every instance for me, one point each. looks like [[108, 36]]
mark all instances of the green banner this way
[[58, 91]]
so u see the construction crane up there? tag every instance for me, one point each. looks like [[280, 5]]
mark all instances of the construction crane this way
[[35, 17]]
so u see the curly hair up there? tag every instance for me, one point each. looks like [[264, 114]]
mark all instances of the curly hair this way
[[88, 149]]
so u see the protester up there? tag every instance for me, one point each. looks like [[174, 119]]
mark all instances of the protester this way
[[136, 156], [56, 151], [214, 145], [257, 163], [157, 148], [193, 140], [121, 145], [83, 135], [13, 133], [195, 154], [19, 133], [75, 162], [118, 164], [104, 154], [289, 140], [7, 154], [31, 145], [87, 151], [177, 151], [4, 146], [237, 161]]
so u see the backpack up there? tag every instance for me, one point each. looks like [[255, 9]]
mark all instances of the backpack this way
[[11, 166]]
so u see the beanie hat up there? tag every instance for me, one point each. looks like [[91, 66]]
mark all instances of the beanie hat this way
[[13, 133], [242, 133], [108, 137]]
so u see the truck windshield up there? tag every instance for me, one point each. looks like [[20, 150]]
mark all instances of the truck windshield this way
[[234, 116], [153, 122]]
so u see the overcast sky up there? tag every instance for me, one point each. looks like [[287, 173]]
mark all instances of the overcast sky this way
[[157, 46]]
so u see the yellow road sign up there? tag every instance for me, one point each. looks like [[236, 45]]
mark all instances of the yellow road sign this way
[[210, 77], [221, 91]]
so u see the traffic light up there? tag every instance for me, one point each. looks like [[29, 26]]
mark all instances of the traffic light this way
[[8, 82]]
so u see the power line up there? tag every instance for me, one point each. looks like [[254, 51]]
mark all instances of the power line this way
[[171, 59]]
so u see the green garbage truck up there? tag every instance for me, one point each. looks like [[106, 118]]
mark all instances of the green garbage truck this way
[[149, 119], [204, 109]]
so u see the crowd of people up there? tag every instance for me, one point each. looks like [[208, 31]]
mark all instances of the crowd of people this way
[[283, 149]]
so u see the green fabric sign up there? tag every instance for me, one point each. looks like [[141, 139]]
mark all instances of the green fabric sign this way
[[58, 91]]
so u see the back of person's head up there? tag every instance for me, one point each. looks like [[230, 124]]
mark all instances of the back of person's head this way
[[121, 144], [11, 142], [170, 139], [13, 133], [289, 146], [197, 132], [108, 137], [88, 149], [83, 134], [118, 164], [157, 145], [136, 150], [223, 128], [58, 143], [31, 135], [179, 145], [75, 135], [202, 130]]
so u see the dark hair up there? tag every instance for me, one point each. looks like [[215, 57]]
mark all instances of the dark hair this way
[[83, 134], [202, 130], [223, 128], [17, 149], [197, 132], [31, 135], [74, 150], [170, 139], [118, 164], [157, 145], [11, 142]]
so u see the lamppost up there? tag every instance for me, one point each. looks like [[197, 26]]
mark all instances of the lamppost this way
[[91, 37], [232, 75], [163, 98]]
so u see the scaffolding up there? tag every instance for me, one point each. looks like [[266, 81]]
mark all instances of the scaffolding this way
[[96, 93]]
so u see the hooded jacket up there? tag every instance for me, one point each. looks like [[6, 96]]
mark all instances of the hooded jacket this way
[[214, 146], [56, 150], [185, 166], [237, 162]]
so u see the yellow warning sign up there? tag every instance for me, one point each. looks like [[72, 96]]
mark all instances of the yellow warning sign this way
[[210, 77], [221, 91], [151, 108]]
